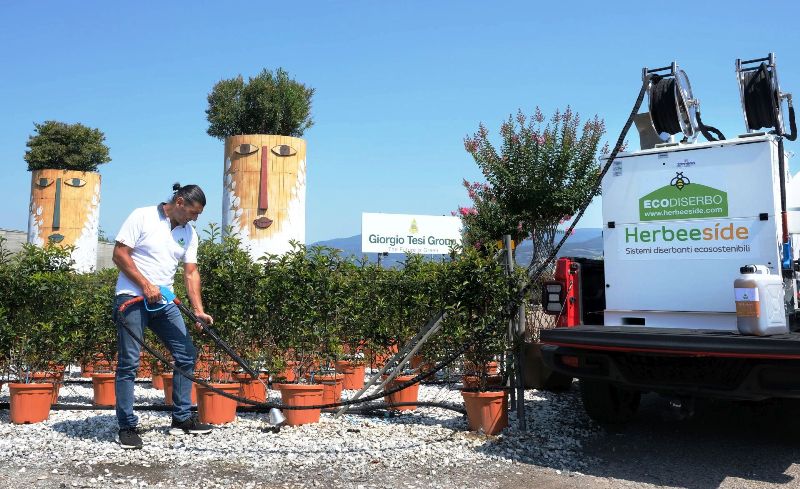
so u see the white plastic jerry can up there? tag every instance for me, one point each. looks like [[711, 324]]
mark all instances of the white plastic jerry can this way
[[759, 302]]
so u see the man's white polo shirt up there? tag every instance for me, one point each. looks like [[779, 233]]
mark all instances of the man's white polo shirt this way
[[157, 249]]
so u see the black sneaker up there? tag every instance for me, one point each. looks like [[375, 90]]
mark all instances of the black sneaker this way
[[191, 426], [129, 439]]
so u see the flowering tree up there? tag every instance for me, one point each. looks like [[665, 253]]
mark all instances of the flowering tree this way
[[485, 221], [543, 172]]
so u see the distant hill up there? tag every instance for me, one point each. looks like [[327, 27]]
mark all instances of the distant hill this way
[[585, 242]]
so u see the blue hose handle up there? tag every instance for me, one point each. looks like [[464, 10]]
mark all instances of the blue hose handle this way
[[166, 294]]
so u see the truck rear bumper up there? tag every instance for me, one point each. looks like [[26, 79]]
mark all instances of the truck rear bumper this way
[[678, 361]]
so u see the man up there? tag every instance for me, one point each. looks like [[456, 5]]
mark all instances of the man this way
[[149, 247]]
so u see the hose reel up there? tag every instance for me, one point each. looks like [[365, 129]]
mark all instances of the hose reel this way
[[673, 108], [761, 96]]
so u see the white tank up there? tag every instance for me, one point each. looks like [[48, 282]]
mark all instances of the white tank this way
[[759, 302]]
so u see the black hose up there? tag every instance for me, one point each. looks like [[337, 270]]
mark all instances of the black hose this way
[[762, 103], [663, 109], [535, 275], [269, 405], [246, 409], [707, 130], [509, 309], [792, 125], [761, 100]]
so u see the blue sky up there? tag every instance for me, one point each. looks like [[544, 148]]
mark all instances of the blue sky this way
[[398, 85]]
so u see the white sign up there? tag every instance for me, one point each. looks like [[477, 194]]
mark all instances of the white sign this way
[[407, 233], [690, 240]]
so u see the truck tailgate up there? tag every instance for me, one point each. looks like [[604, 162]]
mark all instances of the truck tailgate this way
[[688, 342]]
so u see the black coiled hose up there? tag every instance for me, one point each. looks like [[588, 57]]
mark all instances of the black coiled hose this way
[[762, 103], [664, 110]]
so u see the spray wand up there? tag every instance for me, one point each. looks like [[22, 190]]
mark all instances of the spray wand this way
[[275, 415]]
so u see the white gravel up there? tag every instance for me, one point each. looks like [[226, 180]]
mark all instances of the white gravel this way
[[347, 449]]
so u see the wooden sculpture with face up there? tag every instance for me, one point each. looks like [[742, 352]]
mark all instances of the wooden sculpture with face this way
[[65, 210], [264, 196]]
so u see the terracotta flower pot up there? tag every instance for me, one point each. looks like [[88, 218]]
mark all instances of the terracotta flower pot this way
[[54, 378], [331, 387], [167, 379], [145, 370], [202, 368], [87, 369], [214, 408], [222, 371], [421, 364], [353, 374], [30, 403], [104, 394], [251, 388], [57, 368], [492, 368], [301, 395], [486, 411], [409, 394], [158, 381], [97, 363], [380, 358], [288, 375]]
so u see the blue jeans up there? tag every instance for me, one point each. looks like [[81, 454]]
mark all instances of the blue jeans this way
[[168, 325]]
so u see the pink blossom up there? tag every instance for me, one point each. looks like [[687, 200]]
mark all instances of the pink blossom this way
[[538, 116]]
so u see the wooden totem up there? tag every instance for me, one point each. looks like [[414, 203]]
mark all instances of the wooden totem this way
[[65, 209], [264, 195]]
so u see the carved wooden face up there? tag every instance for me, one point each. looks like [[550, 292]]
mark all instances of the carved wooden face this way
[[65, 209], [264, 194]]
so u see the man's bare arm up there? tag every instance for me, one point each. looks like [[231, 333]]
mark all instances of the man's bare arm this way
[[122, 259]]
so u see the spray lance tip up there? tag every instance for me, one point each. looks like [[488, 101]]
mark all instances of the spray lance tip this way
[[276, 417]]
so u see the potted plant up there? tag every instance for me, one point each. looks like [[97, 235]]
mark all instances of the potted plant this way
[[37, 283], [293, 284], [91, 335], [213, 407], [230, 276], [329, 273], [413, 289], [477, 289], [543, 171], [65, 188], [360, 303], [261, 122]]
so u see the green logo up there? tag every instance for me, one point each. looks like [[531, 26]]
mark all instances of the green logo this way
[[683, 199], [182, 242]]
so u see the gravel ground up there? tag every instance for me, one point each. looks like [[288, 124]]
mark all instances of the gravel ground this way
[[724, 445]]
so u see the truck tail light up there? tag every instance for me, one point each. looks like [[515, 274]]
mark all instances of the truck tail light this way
[[570, 361], [560, 296], [553, 297]]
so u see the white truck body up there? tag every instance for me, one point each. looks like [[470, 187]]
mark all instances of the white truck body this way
[[680, 221]]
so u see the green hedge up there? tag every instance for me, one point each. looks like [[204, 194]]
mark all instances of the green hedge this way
[[310, 304]]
